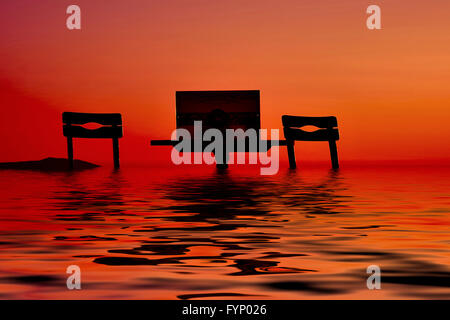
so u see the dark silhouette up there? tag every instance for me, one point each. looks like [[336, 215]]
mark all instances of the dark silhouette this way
[[47, 164], [237, 109], [111, 128], [241, 110], [218, 109], [327, 132]]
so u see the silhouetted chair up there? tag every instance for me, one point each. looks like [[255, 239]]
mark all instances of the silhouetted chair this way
[[327, 132], [111, 128]]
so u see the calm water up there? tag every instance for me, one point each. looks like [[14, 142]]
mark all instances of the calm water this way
[[185, 233]]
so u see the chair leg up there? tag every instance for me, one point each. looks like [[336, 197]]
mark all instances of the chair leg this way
[[224, 163], [70, 152], [291, 154], [333, 154], [116, 153]]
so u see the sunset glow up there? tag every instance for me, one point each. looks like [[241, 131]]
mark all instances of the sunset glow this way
[[389, 88]]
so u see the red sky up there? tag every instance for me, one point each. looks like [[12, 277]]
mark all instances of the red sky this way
[[388, 88]]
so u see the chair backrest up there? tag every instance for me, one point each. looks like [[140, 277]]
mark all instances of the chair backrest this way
[[327, 131], [73, 125], [218, 109]]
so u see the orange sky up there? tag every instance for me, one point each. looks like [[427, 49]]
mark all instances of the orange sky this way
[[388, 88]]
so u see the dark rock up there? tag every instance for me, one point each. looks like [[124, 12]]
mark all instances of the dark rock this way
[[47, 164]]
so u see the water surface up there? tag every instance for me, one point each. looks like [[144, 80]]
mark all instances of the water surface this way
[[186, 233]]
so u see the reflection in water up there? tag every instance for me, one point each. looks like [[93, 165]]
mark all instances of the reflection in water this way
[[225, 234], [89, 204], [219, 203]]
